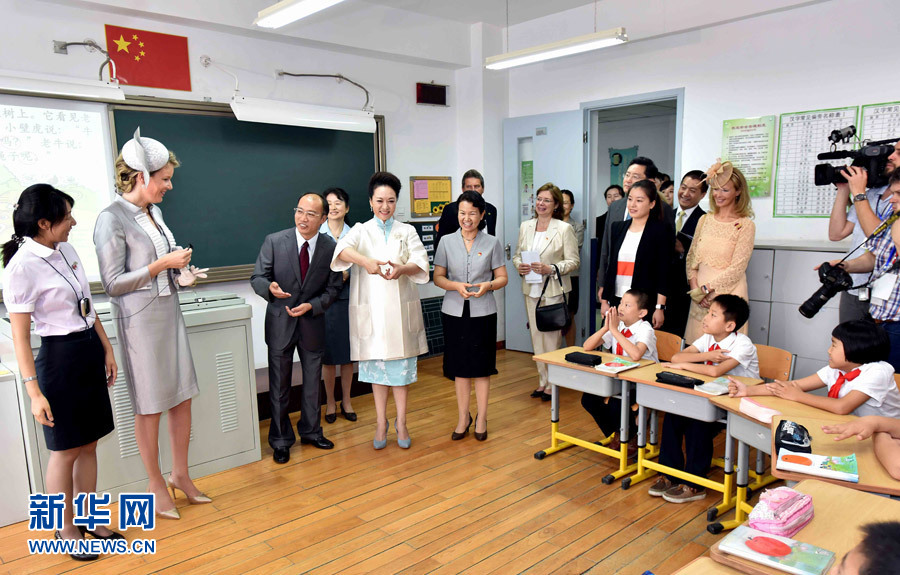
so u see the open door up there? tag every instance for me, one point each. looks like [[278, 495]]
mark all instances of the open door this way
[[554, 146]]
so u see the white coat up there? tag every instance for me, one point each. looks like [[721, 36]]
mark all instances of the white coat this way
[[385, 316]]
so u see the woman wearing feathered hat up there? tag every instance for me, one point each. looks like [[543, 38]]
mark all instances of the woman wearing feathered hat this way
[[141, 267]]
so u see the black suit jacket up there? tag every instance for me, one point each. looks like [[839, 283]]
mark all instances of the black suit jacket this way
[[652, 263], [279, 261], [616, 213], [449, 221]]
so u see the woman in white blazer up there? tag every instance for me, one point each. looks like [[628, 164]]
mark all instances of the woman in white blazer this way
[[555, 241], [387, 331]]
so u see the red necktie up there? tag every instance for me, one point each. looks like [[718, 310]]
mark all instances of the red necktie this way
[[627, 333], [836, 388], [713, 347], [304, 261]]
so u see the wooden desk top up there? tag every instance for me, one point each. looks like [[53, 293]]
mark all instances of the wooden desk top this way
[[558, 357], [788, 408], [839, 512], [872, 475], [706, 566], [647, 375]]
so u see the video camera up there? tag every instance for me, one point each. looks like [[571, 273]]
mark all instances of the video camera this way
[[872, 156]]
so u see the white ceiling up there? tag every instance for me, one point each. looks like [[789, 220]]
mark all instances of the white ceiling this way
[[488, 11]]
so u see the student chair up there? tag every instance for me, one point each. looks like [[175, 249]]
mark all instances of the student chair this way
[[667, 345], [897, 379], [775, 363]]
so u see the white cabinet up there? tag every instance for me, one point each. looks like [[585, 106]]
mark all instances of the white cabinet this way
[[14, 471]]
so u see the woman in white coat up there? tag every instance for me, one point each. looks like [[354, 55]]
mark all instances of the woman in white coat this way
[[555, 241], [387, 331]]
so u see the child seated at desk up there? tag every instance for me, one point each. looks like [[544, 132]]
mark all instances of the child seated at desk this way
[[721, 350], [632, 337], [877, 554], [885, 434], [858, 378]]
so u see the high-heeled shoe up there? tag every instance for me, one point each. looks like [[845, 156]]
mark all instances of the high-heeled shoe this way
[[95, 535], [168, 514], [348, 415], [195, 500], [403, 443], [483, 435], [455, 436], [381, 443], [78, 556], [537, 392]]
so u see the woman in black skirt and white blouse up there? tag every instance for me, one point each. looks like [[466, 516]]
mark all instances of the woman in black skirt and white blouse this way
[[67, 383], [469, 265]]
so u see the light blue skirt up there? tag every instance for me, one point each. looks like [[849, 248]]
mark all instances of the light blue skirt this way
[[393, 372]]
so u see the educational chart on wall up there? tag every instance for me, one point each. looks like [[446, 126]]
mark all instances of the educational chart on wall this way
[[749, 144], [427, 235], [880, 121], [429, 194], [526, 177], [801, 137], [64, 144]]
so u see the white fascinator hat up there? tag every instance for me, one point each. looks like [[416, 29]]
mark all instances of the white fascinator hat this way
[[144, 154]]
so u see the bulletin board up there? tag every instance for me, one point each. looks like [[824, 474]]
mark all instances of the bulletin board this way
[[429, 194], [427, 235], [802, 136], [880, 121]]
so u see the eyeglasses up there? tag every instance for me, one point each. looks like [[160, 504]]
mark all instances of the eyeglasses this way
[[312, 215]]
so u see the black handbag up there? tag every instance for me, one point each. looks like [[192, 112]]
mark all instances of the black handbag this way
[[555, 316]]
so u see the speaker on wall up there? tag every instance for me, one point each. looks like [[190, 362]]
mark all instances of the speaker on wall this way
[[431, 94]]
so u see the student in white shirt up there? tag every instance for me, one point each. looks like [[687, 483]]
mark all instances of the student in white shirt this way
[[720, 350], [858, 378], [634, 338]]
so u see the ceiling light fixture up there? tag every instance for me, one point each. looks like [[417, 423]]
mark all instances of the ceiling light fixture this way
[[567, 47], [296, 114], [40, 84], [288, 11]]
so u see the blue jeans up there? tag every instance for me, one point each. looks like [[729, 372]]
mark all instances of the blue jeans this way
[[893, 330]]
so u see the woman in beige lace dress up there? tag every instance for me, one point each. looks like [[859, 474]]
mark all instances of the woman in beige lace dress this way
[[722, 246]]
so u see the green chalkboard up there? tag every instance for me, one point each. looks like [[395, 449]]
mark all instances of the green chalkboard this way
[[239, 181]]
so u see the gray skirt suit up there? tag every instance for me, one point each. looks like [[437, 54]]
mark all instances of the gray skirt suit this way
[[152, 336]]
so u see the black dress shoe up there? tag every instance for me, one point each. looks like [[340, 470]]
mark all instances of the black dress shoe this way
[[546, 396], [94, 534], [537, 393], [79, 556], [319, 442], [282, 454], [348, 415], [331, 417]]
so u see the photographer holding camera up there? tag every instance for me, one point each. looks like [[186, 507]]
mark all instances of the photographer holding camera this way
[[881, 258], [867, 209]]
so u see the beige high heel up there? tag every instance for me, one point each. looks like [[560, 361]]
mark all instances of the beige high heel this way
[[169, 514], [196, 500]]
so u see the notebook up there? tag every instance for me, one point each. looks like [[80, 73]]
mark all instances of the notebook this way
[[842, 468], [616, 365], [781, 553], [757, 411], [718, 386]]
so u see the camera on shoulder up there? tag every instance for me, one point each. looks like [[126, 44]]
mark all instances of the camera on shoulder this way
[[872, 156]]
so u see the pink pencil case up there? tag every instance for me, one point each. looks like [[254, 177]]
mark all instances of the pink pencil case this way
[[782, 511]]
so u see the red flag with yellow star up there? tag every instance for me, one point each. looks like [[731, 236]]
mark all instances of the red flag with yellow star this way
[[149, 59]]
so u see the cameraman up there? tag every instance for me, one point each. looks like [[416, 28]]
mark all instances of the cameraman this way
[[869, 208], [882, 259]]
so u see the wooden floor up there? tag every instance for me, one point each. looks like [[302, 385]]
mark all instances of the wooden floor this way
[[441, 507]]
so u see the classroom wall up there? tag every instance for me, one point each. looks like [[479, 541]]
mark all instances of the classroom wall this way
[[817, 56]]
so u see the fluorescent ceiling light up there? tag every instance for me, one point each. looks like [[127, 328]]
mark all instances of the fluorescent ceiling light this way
[[294, 114], [288, 11], [59, 86], [559, 49]]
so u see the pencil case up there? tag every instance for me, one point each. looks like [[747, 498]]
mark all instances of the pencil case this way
[[677, 379], [781, 511], [584, 358]]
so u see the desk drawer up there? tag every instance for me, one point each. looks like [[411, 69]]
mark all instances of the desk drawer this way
[[677, 402], [754, 433], [595, 383]]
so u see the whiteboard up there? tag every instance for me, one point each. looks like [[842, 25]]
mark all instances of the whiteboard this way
[[63, 143]]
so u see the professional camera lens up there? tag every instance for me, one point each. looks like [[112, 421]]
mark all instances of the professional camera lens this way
[[811, 307]]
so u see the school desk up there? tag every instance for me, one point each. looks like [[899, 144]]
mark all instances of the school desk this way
[[750, 432], [838, 514], [561, 373], [705, 566], [688, 402], [872, 475]]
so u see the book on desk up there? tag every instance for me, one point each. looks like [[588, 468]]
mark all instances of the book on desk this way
[[841, 468], [617, 365], [781, 553]]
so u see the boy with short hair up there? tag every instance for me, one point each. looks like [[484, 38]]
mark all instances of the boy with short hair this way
[[877, 554], [631, 336], [720, 350]]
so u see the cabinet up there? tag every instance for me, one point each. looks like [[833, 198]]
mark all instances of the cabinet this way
[[225, 421]]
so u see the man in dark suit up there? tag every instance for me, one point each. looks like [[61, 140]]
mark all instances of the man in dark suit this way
[[293, 273], [449, 222], [640, 168], [693, 189]]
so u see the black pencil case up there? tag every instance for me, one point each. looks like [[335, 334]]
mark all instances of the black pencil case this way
[[677, 379], [584, 358]]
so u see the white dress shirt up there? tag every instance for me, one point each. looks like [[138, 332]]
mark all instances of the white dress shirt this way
[[301, 240]]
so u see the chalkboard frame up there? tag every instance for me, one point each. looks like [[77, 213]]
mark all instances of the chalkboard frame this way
[[172, 106]]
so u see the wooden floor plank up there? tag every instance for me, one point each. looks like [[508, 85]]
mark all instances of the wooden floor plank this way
[[442, 506]]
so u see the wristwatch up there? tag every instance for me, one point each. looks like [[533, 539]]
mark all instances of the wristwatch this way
[[661, 306], [859, 197]]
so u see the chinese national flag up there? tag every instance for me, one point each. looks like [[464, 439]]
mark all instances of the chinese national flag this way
[[149, 59]]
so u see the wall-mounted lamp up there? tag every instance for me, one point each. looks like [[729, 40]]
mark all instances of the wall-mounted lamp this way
[[296, 114], [40, 84]]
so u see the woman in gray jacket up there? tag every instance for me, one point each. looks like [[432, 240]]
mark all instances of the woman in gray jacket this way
[[138, 263]]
